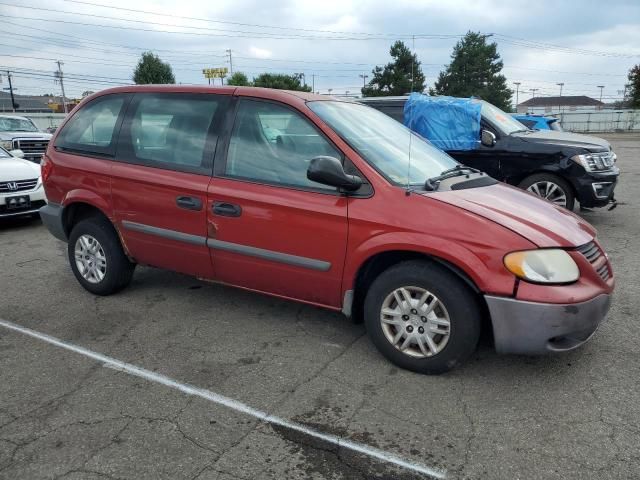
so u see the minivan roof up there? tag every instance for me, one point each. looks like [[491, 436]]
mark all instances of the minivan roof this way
[[286, 96]]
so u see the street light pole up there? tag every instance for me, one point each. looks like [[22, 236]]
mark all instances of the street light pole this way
[[601, 87], [517, 84], [561, 84], [364, 77]]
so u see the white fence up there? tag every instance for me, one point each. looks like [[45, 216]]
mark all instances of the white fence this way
[[600, 121]]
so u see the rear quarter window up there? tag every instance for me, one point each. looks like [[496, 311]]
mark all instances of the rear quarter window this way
[[93, 129]]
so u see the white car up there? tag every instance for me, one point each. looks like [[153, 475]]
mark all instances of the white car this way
[[21, 190], [21, 133]]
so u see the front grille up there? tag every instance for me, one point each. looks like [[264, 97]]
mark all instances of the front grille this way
[[18, 185], [33, 148], [593, 253]]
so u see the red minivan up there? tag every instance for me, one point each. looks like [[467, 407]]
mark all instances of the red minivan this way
[[326, 202]]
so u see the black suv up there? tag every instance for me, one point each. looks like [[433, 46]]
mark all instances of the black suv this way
[[560, 166]]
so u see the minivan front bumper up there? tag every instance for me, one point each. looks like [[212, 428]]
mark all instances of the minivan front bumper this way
[[532, 328]]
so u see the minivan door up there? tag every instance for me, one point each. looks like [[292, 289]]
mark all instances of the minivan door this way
[[159, 182], [272, 229]]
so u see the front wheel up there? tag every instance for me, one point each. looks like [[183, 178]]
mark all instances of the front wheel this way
[[551, 188], [422, 317]]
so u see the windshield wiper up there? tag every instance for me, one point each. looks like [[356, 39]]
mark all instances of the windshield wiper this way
[[432, 184]]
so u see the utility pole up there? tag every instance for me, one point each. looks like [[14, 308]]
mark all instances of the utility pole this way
[[59, 77], [230, 61], [13, 100], [533, 91], [364, 77], [313, 82], [517, 84]]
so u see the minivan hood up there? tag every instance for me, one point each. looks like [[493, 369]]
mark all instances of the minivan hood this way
[[12, 169], [564, 139], [537, 220]]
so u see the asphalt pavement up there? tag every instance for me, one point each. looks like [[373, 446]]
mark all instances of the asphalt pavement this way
[[65, 414]]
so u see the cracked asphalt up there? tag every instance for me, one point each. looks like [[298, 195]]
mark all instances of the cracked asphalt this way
[[65, 416]]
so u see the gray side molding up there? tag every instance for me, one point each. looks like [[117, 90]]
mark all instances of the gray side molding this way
[[165, 233], [294, 260]]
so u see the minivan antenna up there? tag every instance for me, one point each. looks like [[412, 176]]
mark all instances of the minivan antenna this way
[[413, 56]]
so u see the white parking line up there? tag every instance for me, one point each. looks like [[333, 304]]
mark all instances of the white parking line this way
[[229, 403]]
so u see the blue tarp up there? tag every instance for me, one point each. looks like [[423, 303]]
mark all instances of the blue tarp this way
[[449, 123]]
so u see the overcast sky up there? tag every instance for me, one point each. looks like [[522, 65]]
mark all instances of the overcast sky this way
[[583, 44]]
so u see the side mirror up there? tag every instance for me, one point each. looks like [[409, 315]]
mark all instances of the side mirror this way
[[17, 153], [487, 138], [329, 171]]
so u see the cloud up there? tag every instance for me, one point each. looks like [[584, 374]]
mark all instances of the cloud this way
[[259, 52], [294, 46]]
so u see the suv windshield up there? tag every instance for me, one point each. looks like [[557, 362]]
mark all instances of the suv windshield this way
[[16, 125], [503, 121], [383, 142]]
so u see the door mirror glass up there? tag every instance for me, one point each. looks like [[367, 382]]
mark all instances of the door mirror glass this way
[[17, 153], [487, 138], [329, 171]]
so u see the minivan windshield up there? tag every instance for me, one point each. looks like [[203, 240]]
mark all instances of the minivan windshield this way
[[8, 124], [383, 142], [503, 121]]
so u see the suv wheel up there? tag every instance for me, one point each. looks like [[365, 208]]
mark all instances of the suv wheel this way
[[550, 187], [422, 317], [97, 258]]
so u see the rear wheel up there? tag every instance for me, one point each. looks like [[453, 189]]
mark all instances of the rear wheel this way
[[97, 258], [551, 188], [422, 317]]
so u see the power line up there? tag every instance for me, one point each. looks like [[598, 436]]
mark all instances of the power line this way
[[227, 33]]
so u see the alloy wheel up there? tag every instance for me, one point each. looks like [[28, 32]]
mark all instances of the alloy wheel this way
[[415, 322], [91, 260], [549, 191]]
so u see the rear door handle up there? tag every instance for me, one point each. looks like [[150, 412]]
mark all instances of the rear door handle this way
[[227, 209], [189, 203]]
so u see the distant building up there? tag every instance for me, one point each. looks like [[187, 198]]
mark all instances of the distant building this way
[[566, 103], [26, 103]]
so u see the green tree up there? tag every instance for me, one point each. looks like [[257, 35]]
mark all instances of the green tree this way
[[280, 81], [475, 71], [395, 77], [239, 79], [151, 69], [633, 94]]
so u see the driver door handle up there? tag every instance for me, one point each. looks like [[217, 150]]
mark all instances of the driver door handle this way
[[227, 209], [189, 203]]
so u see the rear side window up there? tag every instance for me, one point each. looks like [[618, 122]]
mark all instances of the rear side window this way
[[171, 131], [528, 123], [92, 130]]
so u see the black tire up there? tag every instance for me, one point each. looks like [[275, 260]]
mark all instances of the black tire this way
[[459, 300], [549, 177], [119, 269]]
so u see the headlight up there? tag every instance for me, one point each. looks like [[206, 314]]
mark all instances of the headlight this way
[[6, 144], [595, 162], [543, 266]]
